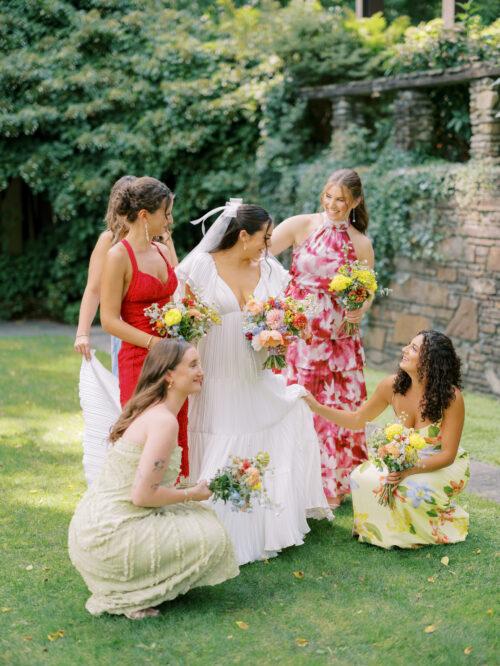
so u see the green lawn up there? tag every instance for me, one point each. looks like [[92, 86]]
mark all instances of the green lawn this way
[[356, 604]]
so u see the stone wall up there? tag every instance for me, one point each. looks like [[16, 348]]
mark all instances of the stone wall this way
[[458, 294]]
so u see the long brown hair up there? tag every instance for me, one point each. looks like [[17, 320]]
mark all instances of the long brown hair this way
[[152, 385], [349, 178], [112, 219]]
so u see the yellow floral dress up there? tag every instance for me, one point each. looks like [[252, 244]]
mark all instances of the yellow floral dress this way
[[425, 510], [134, 557]]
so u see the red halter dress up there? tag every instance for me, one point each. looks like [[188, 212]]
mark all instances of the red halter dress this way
[[144, 290]]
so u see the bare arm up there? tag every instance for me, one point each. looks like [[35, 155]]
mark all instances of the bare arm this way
[[90, 298], [112, 292], [290, 232], [161, 439], [368, 411]]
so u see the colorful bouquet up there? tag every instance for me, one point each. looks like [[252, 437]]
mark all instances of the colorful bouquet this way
[[354, 283], [395, 449], [190, 319], [273, 324], [241, 481]]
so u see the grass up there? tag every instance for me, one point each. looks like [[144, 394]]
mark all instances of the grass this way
[[356, 604]]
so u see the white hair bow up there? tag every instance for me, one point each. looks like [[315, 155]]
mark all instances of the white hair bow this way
[[229, 210]]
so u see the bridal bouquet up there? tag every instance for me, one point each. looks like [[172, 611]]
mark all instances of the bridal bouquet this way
[[395, 449], [190, 318], [241, 481], [354, 283], [273, 324]]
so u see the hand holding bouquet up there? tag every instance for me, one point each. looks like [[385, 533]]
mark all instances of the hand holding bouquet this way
[[241, 481], [354, 283], [190, 319], [273, 324], [396, 449]]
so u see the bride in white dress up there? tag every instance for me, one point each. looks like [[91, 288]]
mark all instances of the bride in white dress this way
[[243, 409]]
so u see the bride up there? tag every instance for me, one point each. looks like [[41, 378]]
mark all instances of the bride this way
[[242, 408]]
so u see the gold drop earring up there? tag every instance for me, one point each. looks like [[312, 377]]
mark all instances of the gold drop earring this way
[[147, 231]]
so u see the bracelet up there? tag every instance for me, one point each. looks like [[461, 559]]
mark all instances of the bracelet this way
[[148, 344]]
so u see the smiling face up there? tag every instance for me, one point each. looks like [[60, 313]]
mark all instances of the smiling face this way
[[411, 355], [337, 202], [187, 376], [254, 246]]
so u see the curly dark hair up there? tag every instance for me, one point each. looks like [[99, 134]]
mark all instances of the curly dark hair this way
[[439, 366]]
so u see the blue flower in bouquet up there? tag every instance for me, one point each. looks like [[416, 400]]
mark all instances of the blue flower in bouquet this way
[[418, 493]]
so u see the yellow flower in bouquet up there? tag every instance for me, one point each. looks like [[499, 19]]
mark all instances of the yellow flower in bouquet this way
[[417, 441], [339, 283], [367, 279], [172, 317], [263, 458], [393, 430]]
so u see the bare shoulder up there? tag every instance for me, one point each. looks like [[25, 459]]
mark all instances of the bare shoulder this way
[[361, 239], [158, 417], [459, 399], [385, 386], [117, 254]]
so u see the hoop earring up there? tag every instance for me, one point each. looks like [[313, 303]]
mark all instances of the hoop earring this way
[[147, 231]]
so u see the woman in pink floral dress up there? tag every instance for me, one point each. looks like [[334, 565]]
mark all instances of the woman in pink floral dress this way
[[331, 366]]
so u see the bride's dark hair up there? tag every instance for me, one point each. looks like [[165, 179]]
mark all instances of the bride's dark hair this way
[[152, 385], [249, 218], [439, 368]]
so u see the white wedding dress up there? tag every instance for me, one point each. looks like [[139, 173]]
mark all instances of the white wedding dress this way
[[243, 409]]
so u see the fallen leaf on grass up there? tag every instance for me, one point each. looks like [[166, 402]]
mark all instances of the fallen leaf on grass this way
[[229, 637], [55, 635], [477, 551], [430, 629], [242, 625], [29, 567], [490, 611], [301, 642], [27, 638], [445, 560], [468, 649], [432, 579], [298, 574], [5, 609]]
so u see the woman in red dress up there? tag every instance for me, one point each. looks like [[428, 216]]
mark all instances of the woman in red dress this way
[[137, 274]]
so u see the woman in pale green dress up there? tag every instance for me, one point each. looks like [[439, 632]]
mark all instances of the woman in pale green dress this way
[[425, 395], [135, 538]]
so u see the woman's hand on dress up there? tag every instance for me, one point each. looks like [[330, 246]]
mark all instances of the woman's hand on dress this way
[[82, 346], [312, 402], [199, 492]]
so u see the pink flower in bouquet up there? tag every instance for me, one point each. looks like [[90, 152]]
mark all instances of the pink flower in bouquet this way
[[193, 312], [389, 450], [253, 476], [275, 319], [254, 307], [270, 338]]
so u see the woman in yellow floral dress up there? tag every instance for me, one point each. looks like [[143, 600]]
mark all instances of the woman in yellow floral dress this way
[[425, 395], [135, 538]]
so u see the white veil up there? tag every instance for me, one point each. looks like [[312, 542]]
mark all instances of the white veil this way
[[210, 239]]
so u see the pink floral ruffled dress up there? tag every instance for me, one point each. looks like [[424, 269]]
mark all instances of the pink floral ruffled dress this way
[[331, 366]]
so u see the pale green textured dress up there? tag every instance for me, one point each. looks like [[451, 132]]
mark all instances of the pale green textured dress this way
[[134, 557]]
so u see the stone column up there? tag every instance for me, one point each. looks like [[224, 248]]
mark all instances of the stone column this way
[[484, 119], [413, 122], [341, 114]]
